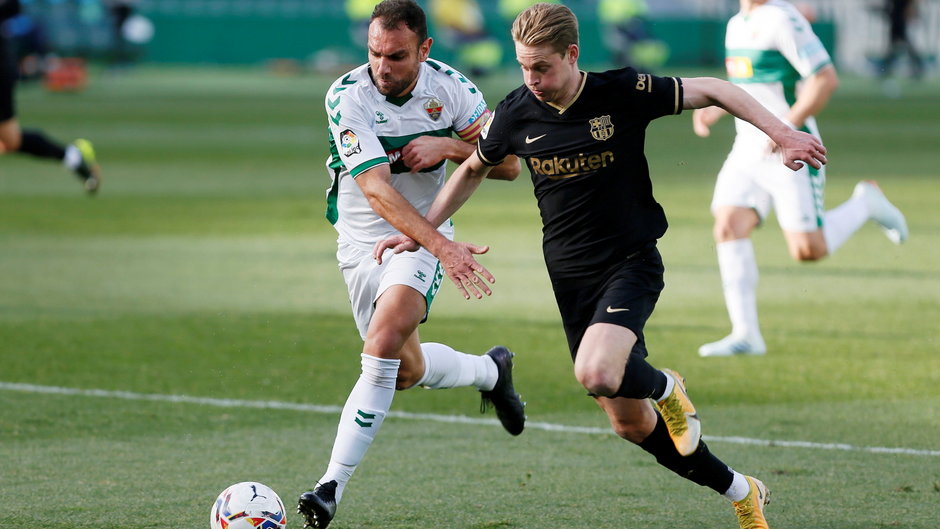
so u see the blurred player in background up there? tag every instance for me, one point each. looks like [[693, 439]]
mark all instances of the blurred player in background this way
[[460, 23], [582, 135], [78, 157], [773, 54], [359, 12], [628, 35], [390, 123], [123, 38], [899, 14]]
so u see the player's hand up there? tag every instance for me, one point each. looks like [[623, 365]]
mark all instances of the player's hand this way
[[460, 266], [398, 244], [704, 118], [423, 152], [796, 147]]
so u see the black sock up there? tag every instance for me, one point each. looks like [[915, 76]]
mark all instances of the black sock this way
[[700, 467], [641, 380], [36, 143]]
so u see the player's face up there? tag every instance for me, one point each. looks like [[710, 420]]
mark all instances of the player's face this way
[[395, 55], [551, 76]]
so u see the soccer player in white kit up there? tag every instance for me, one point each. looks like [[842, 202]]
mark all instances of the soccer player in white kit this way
[[390, 123], [773, 54]]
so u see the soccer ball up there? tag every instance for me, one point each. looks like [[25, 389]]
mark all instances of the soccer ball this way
[[248, 505]]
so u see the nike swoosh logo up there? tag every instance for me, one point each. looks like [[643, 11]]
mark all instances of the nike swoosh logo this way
[[613, 310], [537, 138]]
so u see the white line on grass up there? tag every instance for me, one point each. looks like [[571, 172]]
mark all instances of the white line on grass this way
[[461, 419]]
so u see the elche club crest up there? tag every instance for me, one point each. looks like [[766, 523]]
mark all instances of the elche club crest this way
[[434, 107], [601, 128]]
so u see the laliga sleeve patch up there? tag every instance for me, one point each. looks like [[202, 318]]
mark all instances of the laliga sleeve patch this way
[[486, 128], [349, 143]]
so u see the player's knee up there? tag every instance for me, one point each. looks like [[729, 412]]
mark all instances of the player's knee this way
[[383, 343], [722, 232], [808, 252], [631, 431], [729, 230], [598, 381], [734, 223], [9, 144]]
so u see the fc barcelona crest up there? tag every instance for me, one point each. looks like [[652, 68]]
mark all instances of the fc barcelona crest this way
[[434, 107], [601, 128]]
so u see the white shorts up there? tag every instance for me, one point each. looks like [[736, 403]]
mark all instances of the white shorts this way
[[366, 280], [765, 183]]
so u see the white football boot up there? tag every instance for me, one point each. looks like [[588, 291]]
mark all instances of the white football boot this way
[[732, 345], [883, 212]]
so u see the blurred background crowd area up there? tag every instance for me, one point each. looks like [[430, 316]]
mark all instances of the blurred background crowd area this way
[[59, 36]]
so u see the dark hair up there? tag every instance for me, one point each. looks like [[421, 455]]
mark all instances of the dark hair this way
[[394, 12]]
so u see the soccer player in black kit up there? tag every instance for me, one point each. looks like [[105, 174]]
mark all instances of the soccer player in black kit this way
[[582, 136], [78, 157]]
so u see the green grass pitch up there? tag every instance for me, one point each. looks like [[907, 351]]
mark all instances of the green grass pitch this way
[[205, 270]]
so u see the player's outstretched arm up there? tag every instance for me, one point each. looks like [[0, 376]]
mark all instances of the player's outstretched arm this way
[[795, 146], [427, 151], [456, 257], [385, 200]]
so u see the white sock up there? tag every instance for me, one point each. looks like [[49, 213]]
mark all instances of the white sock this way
[[670, 383], [739, 488], [739, 275], [841, 222], [73, 157], [445, 367], [363, 414]]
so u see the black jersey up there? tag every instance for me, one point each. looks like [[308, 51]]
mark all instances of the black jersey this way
[[587, 163], [9, 9]]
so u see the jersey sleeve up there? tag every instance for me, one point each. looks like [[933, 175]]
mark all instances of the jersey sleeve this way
[[351, 131], [651, 96], [471, 111], [493, 145], [797, 42]]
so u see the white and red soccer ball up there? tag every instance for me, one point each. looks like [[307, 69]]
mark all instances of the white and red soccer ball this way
[[248, 505]]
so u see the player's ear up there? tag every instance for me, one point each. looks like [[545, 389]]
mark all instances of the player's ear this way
[[424, 49], [572, 53]]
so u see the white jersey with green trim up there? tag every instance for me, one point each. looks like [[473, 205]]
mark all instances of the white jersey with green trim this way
[[368, 129], [767, 52]]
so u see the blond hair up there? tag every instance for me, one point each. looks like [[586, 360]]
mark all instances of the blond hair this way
[[545, 23]]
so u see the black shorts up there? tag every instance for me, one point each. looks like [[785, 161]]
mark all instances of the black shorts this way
[[7, 83], [624, 295]]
